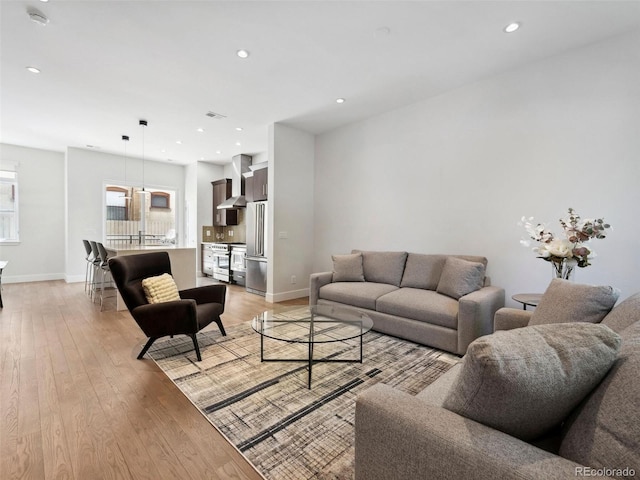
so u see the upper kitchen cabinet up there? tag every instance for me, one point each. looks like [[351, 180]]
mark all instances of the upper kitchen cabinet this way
[[259, 184], [222, 191]]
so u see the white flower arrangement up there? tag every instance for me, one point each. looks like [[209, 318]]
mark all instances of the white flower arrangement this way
[[568, 252]]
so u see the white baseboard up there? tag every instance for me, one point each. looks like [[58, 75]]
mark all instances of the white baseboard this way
[[290, 295], [40, 277], [74, 278]]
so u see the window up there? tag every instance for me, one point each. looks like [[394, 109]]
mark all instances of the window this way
[[160, 200], [117, 203], [136, 216], [9, 231]]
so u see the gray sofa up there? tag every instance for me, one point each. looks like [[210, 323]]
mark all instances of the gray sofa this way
[[444, 301], [400, 436]]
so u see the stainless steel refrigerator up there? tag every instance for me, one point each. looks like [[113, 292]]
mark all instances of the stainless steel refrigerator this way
[[256, 220]]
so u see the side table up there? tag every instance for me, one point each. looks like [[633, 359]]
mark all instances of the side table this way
[[531, 299]]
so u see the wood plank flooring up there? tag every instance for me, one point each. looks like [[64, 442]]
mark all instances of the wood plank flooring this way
[[75, 403]]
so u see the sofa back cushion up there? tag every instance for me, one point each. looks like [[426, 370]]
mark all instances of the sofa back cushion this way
[[348, 268], [460, 277], [526, 381], [564, 301], [604, 431], [623, 314], [383, 267], [423, 271]]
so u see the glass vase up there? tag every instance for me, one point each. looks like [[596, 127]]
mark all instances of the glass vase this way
[[563, 269]]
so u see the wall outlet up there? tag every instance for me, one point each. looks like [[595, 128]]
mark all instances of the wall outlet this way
[[208, 233], [293, 279], [231, 233], [283, 234]]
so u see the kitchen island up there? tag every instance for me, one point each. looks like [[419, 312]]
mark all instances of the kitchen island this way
[[183, 263]]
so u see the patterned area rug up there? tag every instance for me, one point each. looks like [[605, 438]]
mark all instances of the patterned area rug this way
[[284, 429]]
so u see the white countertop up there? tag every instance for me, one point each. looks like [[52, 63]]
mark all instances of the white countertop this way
[[136, 248]]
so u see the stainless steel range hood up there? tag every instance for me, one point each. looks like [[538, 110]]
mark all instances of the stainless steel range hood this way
[[240, 164]]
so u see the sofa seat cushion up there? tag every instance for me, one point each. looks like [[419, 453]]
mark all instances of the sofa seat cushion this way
[[423, 305], [525, 382], [355, 294], [436, 392], [604, 431], [564, 301], [383, 267]]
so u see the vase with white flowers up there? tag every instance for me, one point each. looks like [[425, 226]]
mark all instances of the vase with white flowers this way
[[569, 251]]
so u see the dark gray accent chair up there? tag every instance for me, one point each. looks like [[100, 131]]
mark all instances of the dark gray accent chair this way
[[197, 307]]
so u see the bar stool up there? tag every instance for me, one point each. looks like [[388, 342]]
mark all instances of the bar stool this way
[[105, 270], [89, 270], [95, 267]]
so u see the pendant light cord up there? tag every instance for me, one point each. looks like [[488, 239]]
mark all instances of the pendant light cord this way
[[143, 123]]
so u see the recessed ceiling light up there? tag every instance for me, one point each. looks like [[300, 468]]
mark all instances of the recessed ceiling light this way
[[239, 129], [33, 69], [340, 100], [163, 150], [218, 152], [179, 142], [44, 1], [512, 27], [242, 53], [238, 144], [200, 130]]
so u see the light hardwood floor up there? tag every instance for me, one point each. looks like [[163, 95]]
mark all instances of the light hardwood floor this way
[[75, 403]]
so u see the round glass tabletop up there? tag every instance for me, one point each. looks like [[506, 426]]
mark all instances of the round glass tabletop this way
[[312, 324]]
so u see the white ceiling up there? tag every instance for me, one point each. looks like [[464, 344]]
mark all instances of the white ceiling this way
[[107, 64]]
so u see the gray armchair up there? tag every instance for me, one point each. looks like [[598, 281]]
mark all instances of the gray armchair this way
[[399, 436]]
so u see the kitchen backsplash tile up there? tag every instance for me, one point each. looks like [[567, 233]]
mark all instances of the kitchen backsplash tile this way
[[230, 234]]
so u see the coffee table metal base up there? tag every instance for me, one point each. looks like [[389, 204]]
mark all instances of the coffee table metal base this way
[[309, 360]]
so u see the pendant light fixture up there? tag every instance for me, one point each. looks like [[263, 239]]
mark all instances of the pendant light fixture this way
[[143, 124], [125, 139]]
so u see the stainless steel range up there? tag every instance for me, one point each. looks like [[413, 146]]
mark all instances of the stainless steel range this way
[[221, 259]]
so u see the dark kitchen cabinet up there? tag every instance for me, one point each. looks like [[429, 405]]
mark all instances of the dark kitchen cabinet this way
[[260, 184], [222, 191]]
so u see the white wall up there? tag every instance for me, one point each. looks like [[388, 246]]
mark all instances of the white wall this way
[[454, 174], [291, 157], [87, 172], [207, 173], [191, 225], [259, 158], [40, 253]]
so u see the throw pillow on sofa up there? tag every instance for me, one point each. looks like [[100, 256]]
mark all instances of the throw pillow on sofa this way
[[526, 381], [460, 277], [564, 301], [347, 268]]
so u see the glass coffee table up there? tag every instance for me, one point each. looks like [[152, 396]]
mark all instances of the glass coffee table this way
[[311, 325]]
